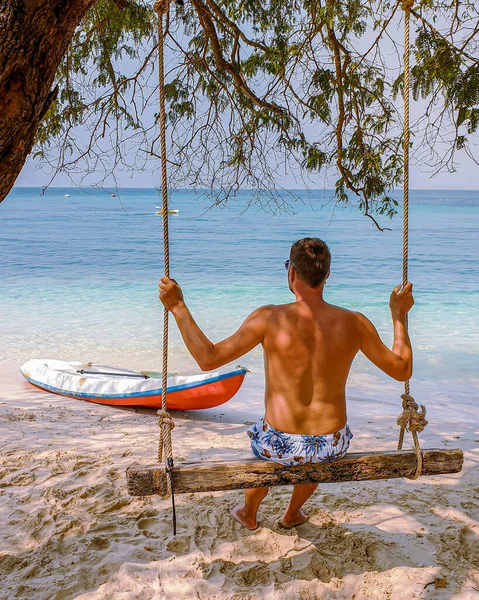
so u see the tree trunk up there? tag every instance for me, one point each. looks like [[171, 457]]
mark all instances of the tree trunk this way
[[34, 35]]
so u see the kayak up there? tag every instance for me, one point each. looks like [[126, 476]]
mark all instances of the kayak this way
[[124, 387]]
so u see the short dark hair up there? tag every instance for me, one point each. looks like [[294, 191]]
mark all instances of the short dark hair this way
[[311, 259]]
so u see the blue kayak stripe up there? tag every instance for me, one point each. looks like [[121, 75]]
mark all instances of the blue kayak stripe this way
[[156, 392]]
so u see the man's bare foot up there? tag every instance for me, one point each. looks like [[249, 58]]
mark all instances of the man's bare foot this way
[[290, 521], [238, 514]]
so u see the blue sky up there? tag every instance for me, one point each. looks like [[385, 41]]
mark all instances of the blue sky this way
[[466, 178]]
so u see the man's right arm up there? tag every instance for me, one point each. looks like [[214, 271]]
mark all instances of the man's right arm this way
[[397, 363]]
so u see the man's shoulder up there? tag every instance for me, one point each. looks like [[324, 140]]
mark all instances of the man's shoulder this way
[[352, 318], [274, 312], [346, 312], [265, 309], [277, 309], [263, 312]]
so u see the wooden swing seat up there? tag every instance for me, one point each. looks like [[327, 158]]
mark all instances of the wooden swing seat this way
[[250, 473]]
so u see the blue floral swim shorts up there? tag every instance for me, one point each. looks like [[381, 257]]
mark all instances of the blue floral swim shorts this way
[[290, 449]]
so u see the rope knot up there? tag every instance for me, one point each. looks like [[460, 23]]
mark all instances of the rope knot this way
[[164, 419], [411, 418], [407, 4], [165, 424]]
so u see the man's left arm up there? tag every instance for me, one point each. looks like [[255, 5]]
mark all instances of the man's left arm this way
[[208, 355]]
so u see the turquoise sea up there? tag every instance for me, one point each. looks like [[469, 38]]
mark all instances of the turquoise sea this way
[[78, 275]]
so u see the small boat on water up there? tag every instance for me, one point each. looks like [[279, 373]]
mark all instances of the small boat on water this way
[[124, 387], [171, 211], [67, 195]]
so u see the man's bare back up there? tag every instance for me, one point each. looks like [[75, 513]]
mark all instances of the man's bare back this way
[[309, 346], [308, 351]]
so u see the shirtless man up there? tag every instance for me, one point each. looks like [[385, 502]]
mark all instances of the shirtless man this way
[[308, 346]]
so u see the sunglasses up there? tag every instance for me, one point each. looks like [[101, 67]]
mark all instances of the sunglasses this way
[[288, 264]]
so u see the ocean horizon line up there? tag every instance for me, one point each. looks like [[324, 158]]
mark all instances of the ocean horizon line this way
[[245, 189]]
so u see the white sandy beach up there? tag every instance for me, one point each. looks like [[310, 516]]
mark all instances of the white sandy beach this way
[[68, 529]]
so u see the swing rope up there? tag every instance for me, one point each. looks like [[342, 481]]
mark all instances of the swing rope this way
[[165, 422], [411, 419]]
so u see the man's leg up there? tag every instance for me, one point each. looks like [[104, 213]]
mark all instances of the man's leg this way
[[294, 515], [246, 513]]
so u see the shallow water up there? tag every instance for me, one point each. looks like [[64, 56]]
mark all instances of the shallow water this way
[[78, 277]]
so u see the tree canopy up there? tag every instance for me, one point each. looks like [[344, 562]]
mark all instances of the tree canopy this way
[[256, 88]]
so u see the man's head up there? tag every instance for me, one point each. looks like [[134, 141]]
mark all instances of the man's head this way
[[310, 258]]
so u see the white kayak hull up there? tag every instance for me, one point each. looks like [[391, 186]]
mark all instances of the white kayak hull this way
[[123, 387]]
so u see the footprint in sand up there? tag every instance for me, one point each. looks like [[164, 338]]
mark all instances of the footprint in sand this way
[[112, 530], [202, 537], [179, 545], [20, 479], [154, 527], [99, 543]]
